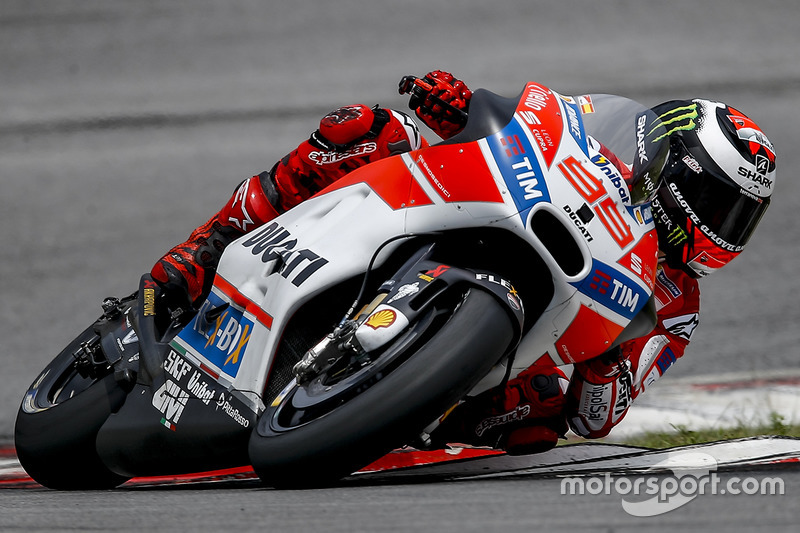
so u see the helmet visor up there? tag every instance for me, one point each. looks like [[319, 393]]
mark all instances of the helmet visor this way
[[721, 209]]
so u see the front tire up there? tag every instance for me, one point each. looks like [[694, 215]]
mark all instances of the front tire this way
[[58, 421], [454, 356]]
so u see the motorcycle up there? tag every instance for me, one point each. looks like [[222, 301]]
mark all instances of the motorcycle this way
[[348, 326]]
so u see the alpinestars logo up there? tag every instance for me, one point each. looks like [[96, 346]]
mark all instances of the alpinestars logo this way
[[328, 158], [677, 119], [682, 326], [519, 412]]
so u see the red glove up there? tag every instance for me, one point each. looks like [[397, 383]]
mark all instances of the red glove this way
[[599, 394], [443, 121]]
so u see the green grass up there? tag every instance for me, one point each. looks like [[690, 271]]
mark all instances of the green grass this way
[[683, 436]]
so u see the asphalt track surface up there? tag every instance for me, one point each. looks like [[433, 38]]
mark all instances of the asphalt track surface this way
[[123, 125]]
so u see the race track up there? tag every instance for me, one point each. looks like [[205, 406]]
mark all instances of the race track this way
[[123, 125]]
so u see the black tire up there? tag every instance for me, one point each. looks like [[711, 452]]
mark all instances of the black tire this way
[[454, 356], [58, 421]]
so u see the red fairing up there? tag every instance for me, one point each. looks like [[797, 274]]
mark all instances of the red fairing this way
[[601, 390]]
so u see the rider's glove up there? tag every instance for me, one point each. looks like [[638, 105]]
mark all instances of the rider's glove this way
[[599, 394], [443, 121]]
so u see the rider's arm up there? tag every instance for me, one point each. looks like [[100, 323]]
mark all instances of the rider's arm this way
[[347, 138], [602, 389]]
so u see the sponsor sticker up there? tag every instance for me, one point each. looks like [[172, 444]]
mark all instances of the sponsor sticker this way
[[381, 319], [219, 333]]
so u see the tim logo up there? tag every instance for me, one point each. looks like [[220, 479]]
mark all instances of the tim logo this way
[[600, 282], [519, 166], [512, 145]]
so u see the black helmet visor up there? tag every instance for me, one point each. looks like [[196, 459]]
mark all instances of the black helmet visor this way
[[724, 211]]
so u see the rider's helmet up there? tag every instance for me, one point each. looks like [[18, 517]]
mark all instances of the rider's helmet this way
[[716, 184]]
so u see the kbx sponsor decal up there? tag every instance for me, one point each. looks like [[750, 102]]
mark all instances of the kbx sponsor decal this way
[[219, 333]]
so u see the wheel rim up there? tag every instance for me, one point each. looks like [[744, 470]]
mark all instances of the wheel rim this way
[[297, 407]]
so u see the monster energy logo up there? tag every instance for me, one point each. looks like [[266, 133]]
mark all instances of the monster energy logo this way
[[676, 236], [677, 119]]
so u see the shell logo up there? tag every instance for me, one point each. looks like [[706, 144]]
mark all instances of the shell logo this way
[[381, 319]]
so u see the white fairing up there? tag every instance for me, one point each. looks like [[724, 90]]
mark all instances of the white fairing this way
[[540, 161]]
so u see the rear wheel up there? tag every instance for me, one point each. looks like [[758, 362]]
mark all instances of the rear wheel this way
[[58, 422], [332, 426]]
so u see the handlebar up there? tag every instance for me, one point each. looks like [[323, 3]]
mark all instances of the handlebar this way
[[420, 91]]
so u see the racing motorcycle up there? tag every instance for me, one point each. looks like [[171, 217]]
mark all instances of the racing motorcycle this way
[[348, 326]]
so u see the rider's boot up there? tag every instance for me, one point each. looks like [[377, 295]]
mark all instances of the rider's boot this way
[[187, 271], [525, 417]]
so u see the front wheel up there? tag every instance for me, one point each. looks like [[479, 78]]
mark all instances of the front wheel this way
[[58, 422], [301, 442]]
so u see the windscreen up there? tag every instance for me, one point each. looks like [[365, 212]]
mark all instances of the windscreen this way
[[630, 131]]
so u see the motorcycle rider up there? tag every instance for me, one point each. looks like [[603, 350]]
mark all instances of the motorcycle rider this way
[[715, 188], [717, 185]]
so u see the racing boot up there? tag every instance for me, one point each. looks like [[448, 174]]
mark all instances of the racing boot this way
[[187, 271], [524, 417]]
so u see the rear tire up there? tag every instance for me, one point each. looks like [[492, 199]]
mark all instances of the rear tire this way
[[58, 421], [392, 411]]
